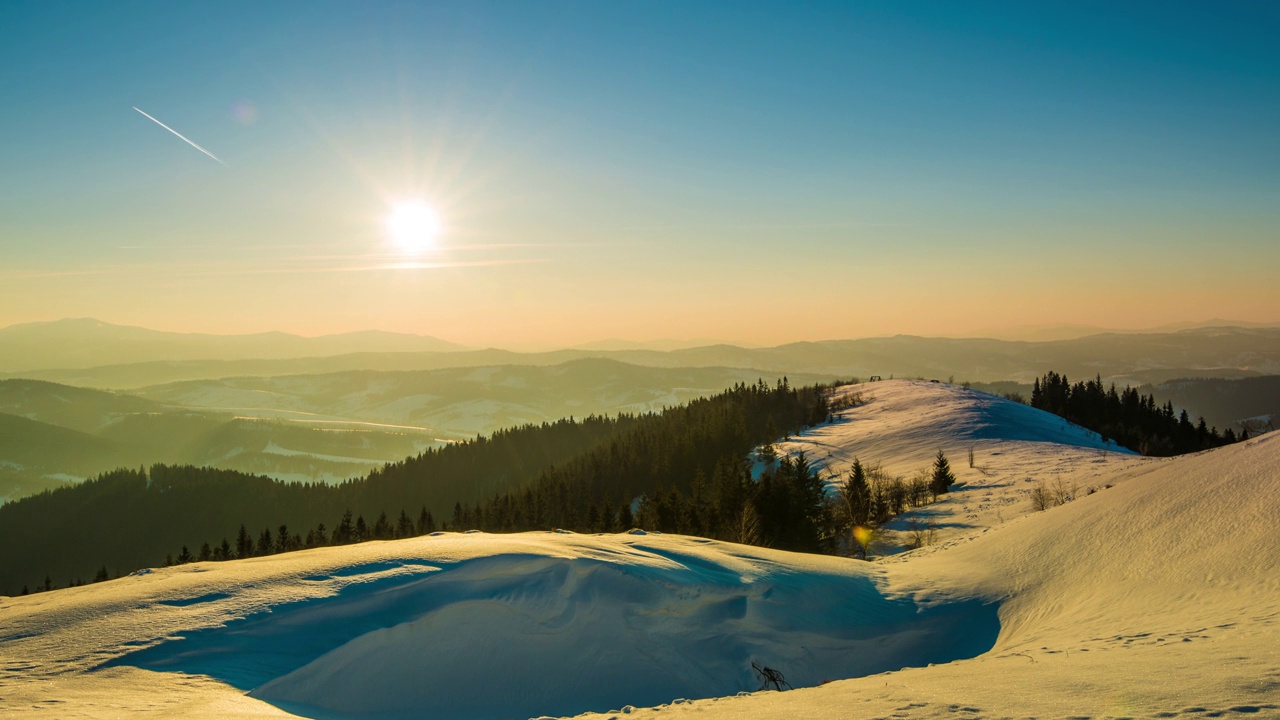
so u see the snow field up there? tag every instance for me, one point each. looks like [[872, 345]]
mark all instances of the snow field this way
[[483, 626], [902, 424], [1156, 597]]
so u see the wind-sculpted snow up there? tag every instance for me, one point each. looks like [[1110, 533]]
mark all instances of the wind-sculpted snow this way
[[536, 625]]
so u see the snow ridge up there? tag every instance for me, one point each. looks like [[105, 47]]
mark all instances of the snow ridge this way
[[568, 623]]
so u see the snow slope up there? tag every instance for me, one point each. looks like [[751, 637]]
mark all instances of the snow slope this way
[[902, 424], [477, 626], [1156, 597]]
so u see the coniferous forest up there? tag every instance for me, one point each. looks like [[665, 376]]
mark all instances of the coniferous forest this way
[[1132, 420], [570, 473]]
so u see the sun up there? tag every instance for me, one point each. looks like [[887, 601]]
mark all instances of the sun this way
[[414, 227]]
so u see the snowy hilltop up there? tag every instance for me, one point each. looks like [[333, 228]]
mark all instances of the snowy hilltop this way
[[1151, 589]]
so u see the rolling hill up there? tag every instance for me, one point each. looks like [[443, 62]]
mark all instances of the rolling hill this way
[[85, 342], [327, 427], [1155, 596], [51, 435], [1225, 402], [459, 403]]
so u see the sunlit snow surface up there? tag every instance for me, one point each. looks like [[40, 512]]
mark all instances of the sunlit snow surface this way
[[1156, 597], [564, 624]]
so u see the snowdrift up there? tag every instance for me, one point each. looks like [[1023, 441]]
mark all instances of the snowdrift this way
[[476, 626]]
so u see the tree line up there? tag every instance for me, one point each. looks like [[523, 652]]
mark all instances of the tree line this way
[[786, 507], [1127, 417]]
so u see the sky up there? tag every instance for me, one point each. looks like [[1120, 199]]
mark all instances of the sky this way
[[748, 172]]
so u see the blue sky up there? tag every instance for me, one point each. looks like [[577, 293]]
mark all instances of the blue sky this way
[[641, 169]]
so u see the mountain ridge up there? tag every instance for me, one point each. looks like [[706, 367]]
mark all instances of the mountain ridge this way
[[74, 343], [1125, 358]]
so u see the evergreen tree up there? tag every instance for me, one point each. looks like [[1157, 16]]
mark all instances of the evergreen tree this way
[[345, 532], [404, 526], [264, 542], [747, 531], [244, 543], [382, 527], [942, 477], [855, 497]]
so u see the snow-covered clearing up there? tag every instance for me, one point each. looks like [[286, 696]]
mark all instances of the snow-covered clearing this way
[[273, 449], [1156, 597], [902, 424]]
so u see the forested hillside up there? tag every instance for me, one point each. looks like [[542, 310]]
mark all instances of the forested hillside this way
[[1252, 402], [129, 519], [1128, 417]]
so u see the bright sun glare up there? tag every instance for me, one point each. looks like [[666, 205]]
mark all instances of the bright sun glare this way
[[414, 227]]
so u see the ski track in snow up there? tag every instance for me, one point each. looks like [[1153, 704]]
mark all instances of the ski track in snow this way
[[1158, 596]]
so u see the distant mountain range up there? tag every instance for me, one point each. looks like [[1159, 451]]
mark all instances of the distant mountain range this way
[[1132, 358], [92, 353], [85, 342], [658, 345], [1067, 331]]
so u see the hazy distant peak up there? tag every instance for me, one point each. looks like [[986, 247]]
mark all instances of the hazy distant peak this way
[[661, 345], [87, 342]]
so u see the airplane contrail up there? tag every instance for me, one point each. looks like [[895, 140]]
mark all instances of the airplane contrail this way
[[184, 137]]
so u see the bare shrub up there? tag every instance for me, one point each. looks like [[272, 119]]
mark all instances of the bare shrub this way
[[1041, 497], [1059, 493], [921, 534], [848, 400], [919, 493], [1063, 493]]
